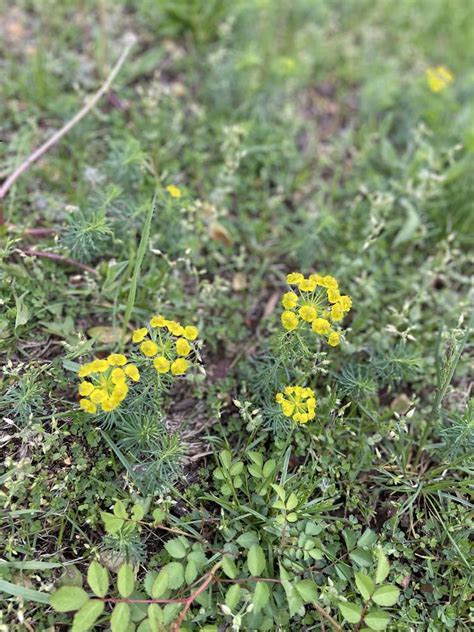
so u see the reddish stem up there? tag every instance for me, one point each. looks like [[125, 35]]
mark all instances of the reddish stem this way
[[189, 601]]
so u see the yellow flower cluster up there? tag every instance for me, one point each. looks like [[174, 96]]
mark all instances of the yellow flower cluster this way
[[168, 343], [106, 385], [298, 402], [316, 301], [438, 78]]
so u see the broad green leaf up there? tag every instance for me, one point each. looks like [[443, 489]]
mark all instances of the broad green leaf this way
[[120, 511], [292, 501], [175, 575], [160, 585], [236, 469], [350, 538], [229, 567], [256, 457], [386, 595], [279, 504], [308, 590], [170, 612], [68, 598], [149, 581], [159, 515], [112, 524], [256, 560], [85, 618], [226, 458], [191, 572], [316, 554], [125, 580], [232, 596], [261, 596], [155, 614], [350, 611], [98, 579], [146, 626], [293, 597], [176, 548], [255, 470], [219, 474], [383, 566], [269, 467], [361, 557], [120, 617], [138, 512], [368, 538], [22, 311], [292, 517], [247, 539], [280, 491], [377, 619], [365, 585]]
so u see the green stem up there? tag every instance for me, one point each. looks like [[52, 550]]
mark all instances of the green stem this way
[[136, 270]]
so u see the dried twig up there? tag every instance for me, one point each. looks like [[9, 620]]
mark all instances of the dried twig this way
[[56, 137], [54, 257]]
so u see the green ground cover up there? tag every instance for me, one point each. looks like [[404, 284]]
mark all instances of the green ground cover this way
[[241, 141]]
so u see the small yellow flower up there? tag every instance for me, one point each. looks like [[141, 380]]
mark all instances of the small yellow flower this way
[[99, 366], [287, 408], [345, 302], [438, 78], [321, 326], [334, 339], [149, 348], [329, 281], [132, 372], [118, 375], [117, 359], [337, 313], [190, 332], [161, 364], [315, 278], [179, 366], [88, 406], [279, 397], [109, 405], [333, 295], [85, 388], [307, 285], [85, 370], [98, 395], [158, 321], [308, 313], [289, 300], [139, 334], [120, 391], [289, 320], [294, 278], [175, 328], [183, 348], [174, 191]]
